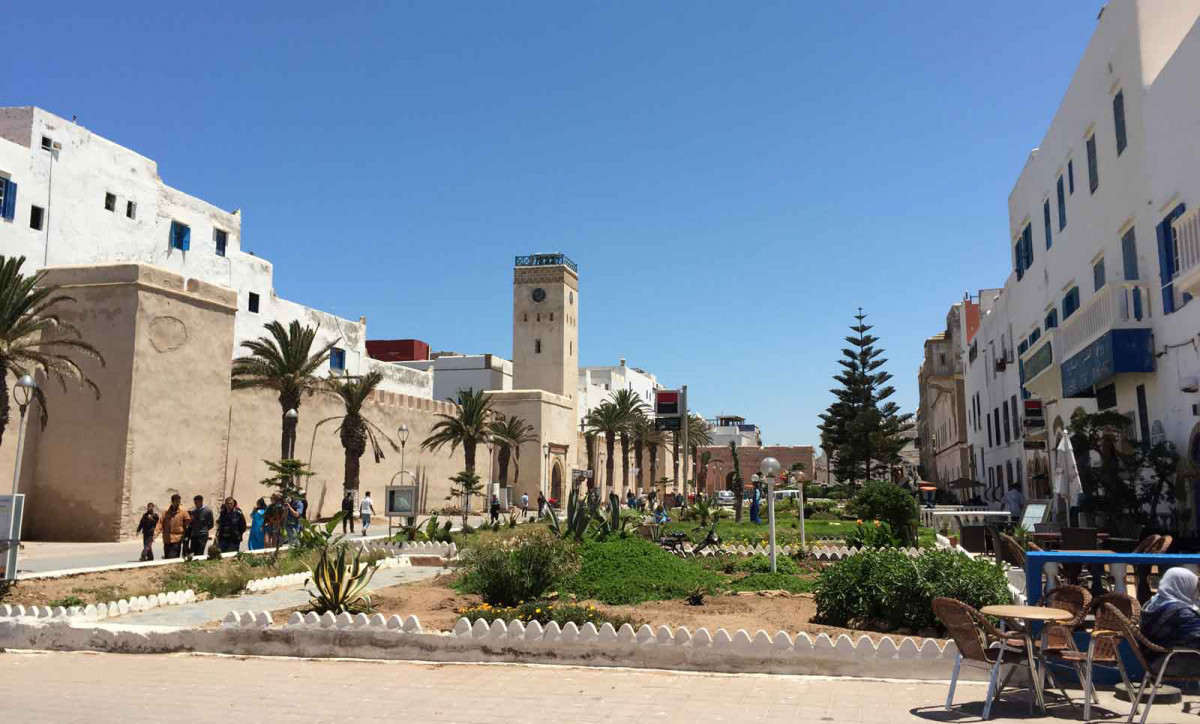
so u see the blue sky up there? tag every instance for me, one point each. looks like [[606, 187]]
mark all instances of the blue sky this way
[[734, 179]]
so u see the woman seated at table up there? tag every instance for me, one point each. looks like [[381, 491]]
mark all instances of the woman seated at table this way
[[1171, 619]]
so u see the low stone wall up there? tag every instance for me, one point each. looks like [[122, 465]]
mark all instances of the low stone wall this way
[[96, 612], [258, 585], [424, 548], [373, 637], [820, 553]]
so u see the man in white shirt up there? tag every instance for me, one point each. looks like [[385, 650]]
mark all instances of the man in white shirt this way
[[524, 505], [365, 511], [1014, 500]]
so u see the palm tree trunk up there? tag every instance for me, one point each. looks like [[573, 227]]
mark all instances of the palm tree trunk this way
[[469, 454], [637, 457], [609, 444], [504, 454], [5, 405], [624, 463], [653, 464], [675, 460], [353, 463], [287, 439]]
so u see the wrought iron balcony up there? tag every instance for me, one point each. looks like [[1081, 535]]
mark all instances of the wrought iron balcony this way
[[547, 260]]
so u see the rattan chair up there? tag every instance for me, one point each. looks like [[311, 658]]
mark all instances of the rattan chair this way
[[1160, 544], [1103, 649], [980, 644], [1059, 637], [1112, 624]]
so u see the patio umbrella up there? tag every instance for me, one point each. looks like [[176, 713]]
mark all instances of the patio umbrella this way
[[1066, 474]]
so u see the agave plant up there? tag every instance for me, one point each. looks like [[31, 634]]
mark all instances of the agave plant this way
[[341, 586], [580, 513]]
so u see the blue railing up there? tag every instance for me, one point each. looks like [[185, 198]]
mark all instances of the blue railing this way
[[547, 260]]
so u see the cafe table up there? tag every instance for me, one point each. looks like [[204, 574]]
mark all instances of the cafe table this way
[[1030, 616]]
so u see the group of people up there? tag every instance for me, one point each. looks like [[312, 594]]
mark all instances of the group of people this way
[[188, 531], [366, 509]]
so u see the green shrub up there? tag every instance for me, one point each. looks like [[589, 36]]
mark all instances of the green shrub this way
[[66, 602], [522, 567], [872, 534], [632, 570], [774, 582], [888, 587], [762, 564], [546, 611], [880, 500]]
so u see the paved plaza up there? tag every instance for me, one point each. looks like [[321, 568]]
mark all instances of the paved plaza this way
[[67, 687]]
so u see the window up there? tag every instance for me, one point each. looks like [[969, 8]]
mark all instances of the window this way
[[1024, 251], [221, 238], [253, 304], [37, 217], [1016, 421], [537, 348], [571, 347], [996, 423], [1098, 274], [1051, 319], [1062, 207], [1007, 433], [1035, 336], [526, 317], [181, 236], [1129, 255], [1008, 467], [110, 202], [551, 316], [47, 143], [1093, 168], [991, 477], [130, 210], [1119, 120], [1143, 414], [1070, 303], [8, 199], [1046, 219], [539, 316], [1168, 257], [337, 359], [1071, 176]]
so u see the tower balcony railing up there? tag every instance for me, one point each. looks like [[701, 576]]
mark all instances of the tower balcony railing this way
[[547, 260], [1118, 305]]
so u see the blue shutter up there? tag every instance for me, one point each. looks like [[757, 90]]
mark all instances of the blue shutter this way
[[10, 200], [1166, 259], [1129, 255], [1046, 219], [187, 238]]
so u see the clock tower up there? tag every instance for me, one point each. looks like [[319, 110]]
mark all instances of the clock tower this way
[[546, 324]]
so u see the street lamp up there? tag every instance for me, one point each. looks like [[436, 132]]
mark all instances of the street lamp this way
[[798, 479], [402, 435], [25, 390], [546, 471], [293, 416], [769, 467]]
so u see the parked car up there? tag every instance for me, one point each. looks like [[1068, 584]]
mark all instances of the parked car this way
[[787, 494], [724, 497]]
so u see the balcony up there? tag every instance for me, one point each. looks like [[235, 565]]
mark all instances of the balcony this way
[[1107, 336], [1040, 363], [1187, 254]]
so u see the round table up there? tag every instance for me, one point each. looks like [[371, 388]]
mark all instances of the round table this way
[[1039, 614]]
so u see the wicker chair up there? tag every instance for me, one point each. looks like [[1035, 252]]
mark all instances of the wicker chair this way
[[980, 644], [1160, 544], [1103, 648], [1059, 637], [1112, 624], [1013, 553]]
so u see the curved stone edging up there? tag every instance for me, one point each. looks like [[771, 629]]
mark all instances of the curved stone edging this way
[[819, 553], [259, 585], [97, 612]]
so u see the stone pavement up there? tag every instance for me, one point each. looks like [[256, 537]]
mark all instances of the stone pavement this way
[[202, 612], [60, 687]]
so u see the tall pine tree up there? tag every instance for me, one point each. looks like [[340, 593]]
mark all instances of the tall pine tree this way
[[862, 428]]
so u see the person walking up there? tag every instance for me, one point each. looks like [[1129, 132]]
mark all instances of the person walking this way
[[258, 518], [524, 505], [365, 511], [494, 509], [148, 526], [755, 497], [231, 526], [630, 500], [347, 512], [541, 504], [174, 525], [296, 508], [273, 521], [201, 525], [1014, 502]]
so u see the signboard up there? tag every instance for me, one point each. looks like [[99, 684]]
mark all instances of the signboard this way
[[1116, 352], [576, 472], [1034, 408], [674, 424], [400, 500], [1035, 444], [1034, 422], [666, 402], [9, 549]]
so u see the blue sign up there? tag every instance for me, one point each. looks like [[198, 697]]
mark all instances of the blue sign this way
[[1118, 351]]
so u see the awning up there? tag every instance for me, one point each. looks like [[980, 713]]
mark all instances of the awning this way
[[928, 488], [965, 484]]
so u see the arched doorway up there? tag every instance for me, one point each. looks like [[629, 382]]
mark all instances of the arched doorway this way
[[729, 481], [556, 481]]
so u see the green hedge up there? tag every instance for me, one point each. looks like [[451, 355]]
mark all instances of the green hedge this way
[[633, 570], [890, 588]]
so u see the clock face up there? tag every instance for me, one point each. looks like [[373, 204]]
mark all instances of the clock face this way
[[539, 294]]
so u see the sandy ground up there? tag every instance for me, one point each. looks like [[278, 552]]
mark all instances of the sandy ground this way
[[436, 605], [89, 587]]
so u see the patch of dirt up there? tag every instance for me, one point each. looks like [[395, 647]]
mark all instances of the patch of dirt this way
[[436, 604], [88, 587]]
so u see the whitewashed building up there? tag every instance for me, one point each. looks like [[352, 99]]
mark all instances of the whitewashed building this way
[[597, 385], [724, 429], [1097, 312], [70, 197], [453, 372]]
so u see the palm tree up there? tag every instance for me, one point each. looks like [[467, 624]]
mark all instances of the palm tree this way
[[283, 362], [646, 438], [607, 420], [33, 337], [653, 440], [697, 436], [510, 433], [469, 426], [356, 431], [630, 405]]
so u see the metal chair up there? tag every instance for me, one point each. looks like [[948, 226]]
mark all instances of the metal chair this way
[[1059, 636], [1103, 647], [1115, 624], [981, 644]]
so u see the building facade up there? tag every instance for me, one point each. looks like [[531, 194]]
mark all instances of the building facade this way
[[942, 423], [724, 429], [597, 385], [453, 372]]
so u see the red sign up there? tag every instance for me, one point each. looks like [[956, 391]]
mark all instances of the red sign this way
[[666, 402], [1033, 408]]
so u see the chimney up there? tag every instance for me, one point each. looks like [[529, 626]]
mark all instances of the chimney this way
[[622, 361]]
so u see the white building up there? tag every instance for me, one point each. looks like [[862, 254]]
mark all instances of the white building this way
[[453, 372], [724, 429], [72, 197], [597, 385], [1097, 312]]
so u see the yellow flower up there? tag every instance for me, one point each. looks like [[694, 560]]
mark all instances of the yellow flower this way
[[860, 522], [537, 610], [876, 524]]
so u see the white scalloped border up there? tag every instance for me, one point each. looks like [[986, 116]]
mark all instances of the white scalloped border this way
[[97, 612]]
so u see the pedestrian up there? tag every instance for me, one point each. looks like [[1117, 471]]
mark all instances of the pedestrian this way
[[274, 520], [365, 511], [660, 515], [231, 526], [258, 518], [524, 505], [201, 525], [174, 525], [295, 511], [755, 496], [494, 509], [347, 512], [541, 503], [147, 527], [630, 500]]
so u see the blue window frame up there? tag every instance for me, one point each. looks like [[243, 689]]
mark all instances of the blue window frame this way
[[1023, 251], [221, 239], [1070, 303], [1051, 319], [1129, 255], [1046, 219], [1119, 120], [1167, 254], [1098, 274], [1062, 205], [337, 359], [1035, 336], [8, 199], [1071, 176], [1093, 164], [181, 236]]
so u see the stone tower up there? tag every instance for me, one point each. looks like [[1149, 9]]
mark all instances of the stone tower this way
[[546, 324]]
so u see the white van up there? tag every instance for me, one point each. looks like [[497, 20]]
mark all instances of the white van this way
[[787, 495]]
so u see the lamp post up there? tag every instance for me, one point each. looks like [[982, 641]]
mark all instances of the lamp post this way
[[402, 436], [546, 470], [798, 479], [293, 415], [769, 467], [23, 392]]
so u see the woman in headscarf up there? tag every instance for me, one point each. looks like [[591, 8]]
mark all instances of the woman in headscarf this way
[[1171, 619]]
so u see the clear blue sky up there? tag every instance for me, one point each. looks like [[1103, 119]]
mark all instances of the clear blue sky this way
[[734, 179]]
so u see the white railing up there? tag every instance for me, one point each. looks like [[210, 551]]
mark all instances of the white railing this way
[[1117, 304], [1187, 250]]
